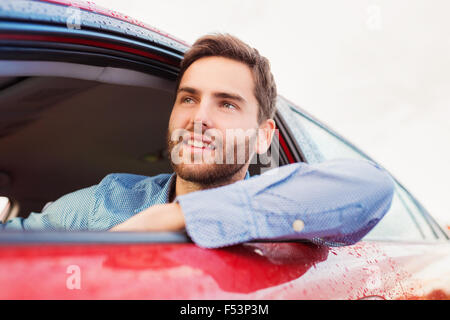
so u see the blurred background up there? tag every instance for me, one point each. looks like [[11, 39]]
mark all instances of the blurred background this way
[[376, 71]]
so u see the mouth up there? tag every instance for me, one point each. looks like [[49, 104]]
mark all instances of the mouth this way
[[197, 144]]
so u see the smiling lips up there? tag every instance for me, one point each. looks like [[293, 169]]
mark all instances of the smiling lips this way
[[198, 143]]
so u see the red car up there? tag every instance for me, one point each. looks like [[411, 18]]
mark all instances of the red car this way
[[86, 91]]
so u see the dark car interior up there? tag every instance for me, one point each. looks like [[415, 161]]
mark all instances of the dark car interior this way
[[60, 134]]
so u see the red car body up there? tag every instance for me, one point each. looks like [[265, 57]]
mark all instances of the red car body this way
[[57, 266], [253, 271]]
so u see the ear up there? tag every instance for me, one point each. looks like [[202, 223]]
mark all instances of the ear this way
[[266, 131]]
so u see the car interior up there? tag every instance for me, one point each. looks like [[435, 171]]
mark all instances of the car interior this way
[[65, 126]]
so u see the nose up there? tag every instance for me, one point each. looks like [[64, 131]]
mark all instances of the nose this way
[[203, 115]]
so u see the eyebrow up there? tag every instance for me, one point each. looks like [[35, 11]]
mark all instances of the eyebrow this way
[[223, 95], [188, 90]]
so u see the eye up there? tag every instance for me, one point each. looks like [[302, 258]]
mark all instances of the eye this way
[[229, 106], [187, 100]]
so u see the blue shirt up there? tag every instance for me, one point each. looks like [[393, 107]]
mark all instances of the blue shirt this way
[[332, 203]]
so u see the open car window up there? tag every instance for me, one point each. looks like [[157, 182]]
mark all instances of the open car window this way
[[65, 126], [61, 133]]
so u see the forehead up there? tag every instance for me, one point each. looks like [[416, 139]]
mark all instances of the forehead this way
[[212, 74]]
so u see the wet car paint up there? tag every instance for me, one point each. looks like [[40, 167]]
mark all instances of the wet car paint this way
[[249, 271]]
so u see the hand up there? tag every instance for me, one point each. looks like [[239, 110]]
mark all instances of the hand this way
[[161, 217]]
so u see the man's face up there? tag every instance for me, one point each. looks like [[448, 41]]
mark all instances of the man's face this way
[[215, 99]]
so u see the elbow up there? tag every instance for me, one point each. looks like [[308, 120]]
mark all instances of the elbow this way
[[382, 186], [376, 182], [375, 202], [380, 191]]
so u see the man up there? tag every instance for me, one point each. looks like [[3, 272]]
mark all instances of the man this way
[[226, 86]]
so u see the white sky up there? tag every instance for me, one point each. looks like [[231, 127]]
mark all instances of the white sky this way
[[376, 71]]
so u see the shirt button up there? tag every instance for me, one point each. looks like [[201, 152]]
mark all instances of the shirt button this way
[[298, 225]]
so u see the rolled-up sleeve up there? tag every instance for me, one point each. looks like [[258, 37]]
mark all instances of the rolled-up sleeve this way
[[332, 203]]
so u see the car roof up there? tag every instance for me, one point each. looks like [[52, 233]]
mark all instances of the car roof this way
[[92, 17]]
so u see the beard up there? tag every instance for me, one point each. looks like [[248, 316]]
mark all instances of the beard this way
[[210, 173]]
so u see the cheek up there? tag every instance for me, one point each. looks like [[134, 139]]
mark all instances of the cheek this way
[[236, 122], [178, 119]]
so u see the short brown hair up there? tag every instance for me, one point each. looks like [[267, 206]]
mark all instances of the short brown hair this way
[[228, 46]]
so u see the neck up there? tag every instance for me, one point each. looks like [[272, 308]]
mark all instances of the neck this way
[[183, 186]]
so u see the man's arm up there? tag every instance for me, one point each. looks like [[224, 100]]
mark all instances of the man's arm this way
[[334, 203], [70, 212]]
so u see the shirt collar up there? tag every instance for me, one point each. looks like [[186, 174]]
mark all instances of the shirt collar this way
[[169, 187], [164, 193]]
